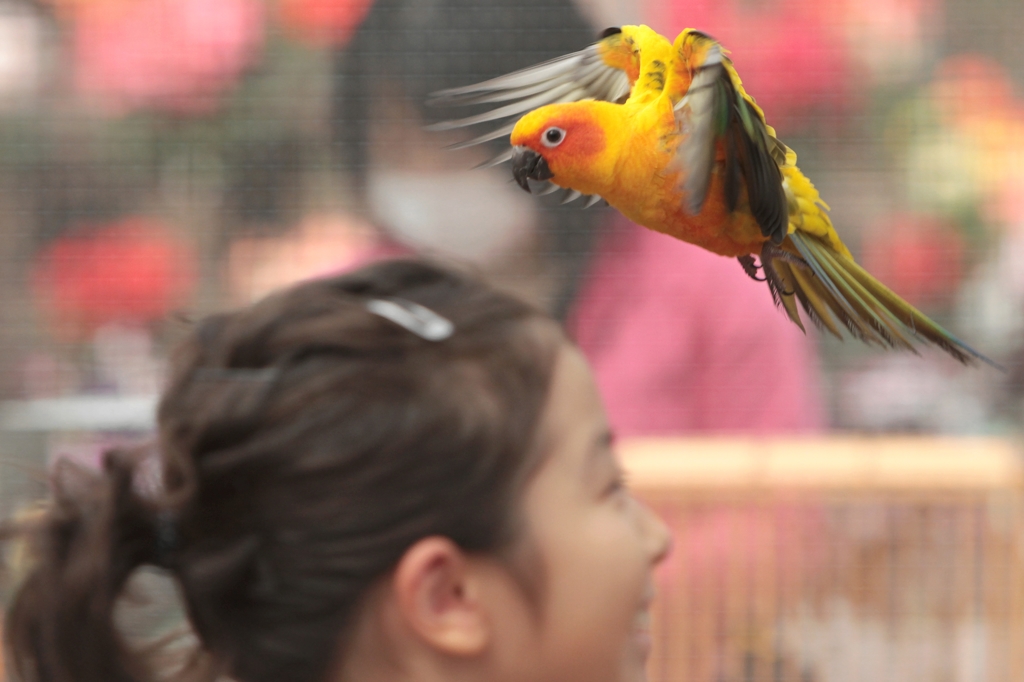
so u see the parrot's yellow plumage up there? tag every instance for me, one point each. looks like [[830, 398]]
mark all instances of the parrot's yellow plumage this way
[[665, 133]]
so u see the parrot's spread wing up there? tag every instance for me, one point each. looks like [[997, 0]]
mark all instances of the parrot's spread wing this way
[[712, 108], [605, 71], [701, 118]]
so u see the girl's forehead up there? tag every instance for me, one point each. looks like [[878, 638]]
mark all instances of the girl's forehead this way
[[574, 419]]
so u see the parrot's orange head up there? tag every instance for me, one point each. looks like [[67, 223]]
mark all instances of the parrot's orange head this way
[[565, 143]]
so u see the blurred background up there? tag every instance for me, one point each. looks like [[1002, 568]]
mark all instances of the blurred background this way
[[163, 159]]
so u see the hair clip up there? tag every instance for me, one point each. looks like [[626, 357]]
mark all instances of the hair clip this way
[[423, 322]]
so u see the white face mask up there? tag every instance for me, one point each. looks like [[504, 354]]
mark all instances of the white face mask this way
[[475, 215]]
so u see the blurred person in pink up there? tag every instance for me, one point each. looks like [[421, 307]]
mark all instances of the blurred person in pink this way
[[683, 343]]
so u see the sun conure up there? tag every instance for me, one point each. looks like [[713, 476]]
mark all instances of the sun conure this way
[[665, 133]]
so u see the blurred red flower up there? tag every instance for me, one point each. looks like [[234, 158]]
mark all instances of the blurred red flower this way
[[135, 270], [176, 55], [323, 22], [918, 257], [971, 88]]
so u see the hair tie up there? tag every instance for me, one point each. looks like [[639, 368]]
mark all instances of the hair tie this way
[[166, 540], [423, 322], [243, 374]]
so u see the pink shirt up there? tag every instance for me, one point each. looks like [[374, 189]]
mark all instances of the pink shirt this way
[[682, 341]]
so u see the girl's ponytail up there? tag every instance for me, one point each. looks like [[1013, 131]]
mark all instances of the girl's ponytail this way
[[81, 550]]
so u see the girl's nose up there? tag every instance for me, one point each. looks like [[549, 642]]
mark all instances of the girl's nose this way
[[659, 534]]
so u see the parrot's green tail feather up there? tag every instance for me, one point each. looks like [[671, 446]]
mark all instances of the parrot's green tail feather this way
[[834, 290]]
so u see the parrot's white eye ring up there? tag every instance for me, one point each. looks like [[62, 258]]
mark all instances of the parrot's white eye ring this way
[[552, 137]]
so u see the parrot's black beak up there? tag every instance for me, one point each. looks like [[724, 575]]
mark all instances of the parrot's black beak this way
[[529, 165]]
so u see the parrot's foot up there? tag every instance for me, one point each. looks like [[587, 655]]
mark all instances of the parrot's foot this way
[[775, 283], [750, 267], [769, 253]]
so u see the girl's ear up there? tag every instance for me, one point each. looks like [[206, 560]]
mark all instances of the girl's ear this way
[[438, 597]]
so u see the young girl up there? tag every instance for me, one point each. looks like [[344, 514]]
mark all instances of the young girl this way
[[399, 474]]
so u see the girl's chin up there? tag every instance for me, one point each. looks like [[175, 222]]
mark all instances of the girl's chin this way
[[642, 644], [639, 651]]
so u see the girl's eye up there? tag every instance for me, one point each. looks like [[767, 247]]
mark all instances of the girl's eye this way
[[553, 137], [617, 484]]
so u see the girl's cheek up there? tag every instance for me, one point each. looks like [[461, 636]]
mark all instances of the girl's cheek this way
[[638, 515], [647, 528]]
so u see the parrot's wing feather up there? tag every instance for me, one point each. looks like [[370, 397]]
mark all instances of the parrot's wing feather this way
[[712, 107], [696, 114], [486, 137], [564, 92], [604, 71], [585, 69], [835, 286], [497, 160], [762, 177]]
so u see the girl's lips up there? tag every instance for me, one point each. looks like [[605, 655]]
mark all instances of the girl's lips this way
[[642, 622], [642, 631]]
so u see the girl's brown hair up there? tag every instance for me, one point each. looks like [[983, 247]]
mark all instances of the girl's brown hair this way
[[306, 444]]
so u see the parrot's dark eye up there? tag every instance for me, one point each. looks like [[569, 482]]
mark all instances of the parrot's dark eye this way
[[553, 137]]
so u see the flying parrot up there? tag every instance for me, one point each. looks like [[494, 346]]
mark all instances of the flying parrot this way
[[665, 133]]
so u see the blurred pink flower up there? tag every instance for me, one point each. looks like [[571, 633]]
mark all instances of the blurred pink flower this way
[[890, 38], [969, 88], [790, 58], [323, 22], [176, 55], [920, 257], [980, 117]]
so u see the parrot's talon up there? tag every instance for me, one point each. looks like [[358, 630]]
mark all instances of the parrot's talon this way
[[750, 267], [769, 252]]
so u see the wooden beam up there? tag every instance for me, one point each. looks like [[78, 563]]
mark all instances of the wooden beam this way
[[840, 463]]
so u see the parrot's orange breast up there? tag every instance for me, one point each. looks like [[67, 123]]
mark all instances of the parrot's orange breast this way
[[647, 191]]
